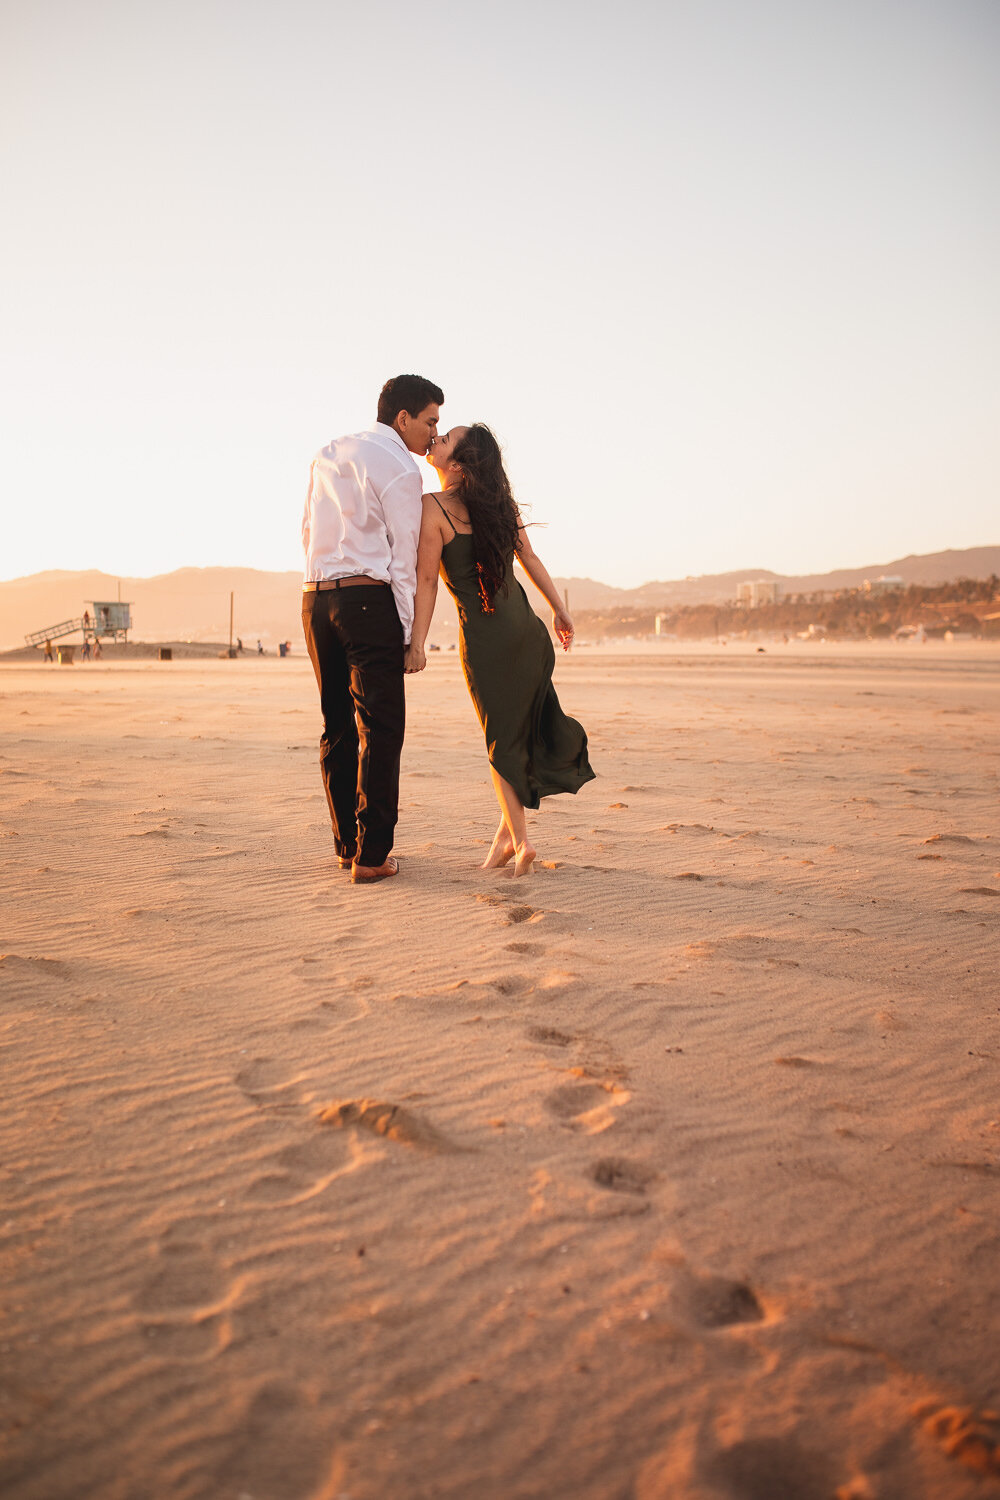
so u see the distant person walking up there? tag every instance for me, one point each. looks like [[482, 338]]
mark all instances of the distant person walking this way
[[85, 654], [98, 653], [48, 651], [359, 532]]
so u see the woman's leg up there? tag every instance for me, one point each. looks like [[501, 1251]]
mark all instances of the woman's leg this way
[[502, 848], [513, 815]]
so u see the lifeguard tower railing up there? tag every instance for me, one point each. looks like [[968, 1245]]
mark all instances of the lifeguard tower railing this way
[[65, 627]]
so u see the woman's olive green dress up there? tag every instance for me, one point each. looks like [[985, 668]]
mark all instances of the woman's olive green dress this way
[[508, 660]]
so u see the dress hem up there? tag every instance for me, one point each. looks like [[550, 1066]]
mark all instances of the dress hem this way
[[549, 789]]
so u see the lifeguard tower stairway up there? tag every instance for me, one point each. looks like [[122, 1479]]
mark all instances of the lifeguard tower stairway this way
[[39, 637], [104, 620]]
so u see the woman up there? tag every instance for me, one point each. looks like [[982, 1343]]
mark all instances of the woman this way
[[471, 532]]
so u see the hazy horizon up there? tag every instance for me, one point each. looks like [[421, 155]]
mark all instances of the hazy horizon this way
[[748, 573], [721, 279]]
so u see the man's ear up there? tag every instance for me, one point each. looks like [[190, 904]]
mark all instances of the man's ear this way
[[401, 420]]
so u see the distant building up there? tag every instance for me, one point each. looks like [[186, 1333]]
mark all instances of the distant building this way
[[757, 591], [884, 585]]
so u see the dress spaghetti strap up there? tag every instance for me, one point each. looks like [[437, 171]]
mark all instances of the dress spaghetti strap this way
[[441, 508]]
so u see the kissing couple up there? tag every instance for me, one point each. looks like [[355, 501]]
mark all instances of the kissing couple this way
[[374, 548]]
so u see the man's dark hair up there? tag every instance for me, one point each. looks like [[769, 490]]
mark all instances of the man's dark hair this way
[[407, 393]]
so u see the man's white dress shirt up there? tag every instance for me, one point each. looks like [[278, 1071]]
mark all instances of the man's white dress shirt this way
[[362, 514]]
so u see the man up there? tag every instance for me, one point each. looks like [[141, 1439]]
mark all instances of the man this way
[[360, 531]]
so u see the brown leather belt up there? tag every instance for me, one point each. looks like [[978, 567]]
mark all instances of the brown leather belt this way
[[343, 583]]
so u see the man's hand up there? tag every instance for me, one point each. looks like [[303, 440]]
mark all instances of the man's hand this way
[[415, 660], [562, 624]]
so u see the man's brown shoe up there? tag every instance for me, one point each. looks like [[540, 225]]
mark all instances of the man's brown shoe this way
[[366, 874]]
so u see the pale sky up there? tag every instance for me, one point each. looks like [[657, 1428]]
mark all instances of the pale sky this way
[[721, 275]]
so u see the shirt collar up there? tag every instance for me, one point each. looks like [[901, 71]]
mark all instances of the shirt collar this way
[[384, 430]]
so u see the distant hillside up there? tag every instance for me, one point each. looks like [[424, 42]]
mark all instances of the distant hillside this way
[[717, 588], [193, 603]]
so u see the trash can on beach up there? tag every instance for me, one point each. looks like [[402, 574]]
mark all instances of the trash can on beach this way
[[65, 655], [166, 653]]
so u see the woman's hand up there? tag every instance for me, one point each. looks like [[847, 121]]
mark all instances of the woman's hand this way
[[562, 624], [415, 659]]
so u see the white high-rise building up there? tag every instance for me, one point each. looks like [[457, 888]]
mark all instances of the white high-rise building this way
[[758, 591]]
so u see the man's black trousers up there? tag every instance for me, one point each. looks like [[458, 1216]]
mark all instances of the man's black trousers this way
[[355, 644]]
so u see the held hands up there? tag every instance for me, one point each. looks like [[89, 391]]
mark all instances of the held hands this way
[[562, 624], [415, 659]]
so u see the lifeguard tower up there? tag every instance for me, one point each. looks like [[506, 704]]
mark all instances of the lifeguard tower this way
[[109, 620], [102, 619]]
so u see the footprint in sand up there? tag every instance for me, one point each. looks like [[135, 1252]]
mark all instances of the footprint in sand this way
[[620, 1175], [32, 979], [516, 914], [716, 1301], [185, 1277], [701, 948], [510, 984], [266, 1082], [753, 947], [587, 1107], [29, 966], [302, 1171], [769, 1468], [185, 1304], [549, 1036], [513, 911], [528, 950], [280, 1445], [389, 1120], [968, 1434], [949, 838]]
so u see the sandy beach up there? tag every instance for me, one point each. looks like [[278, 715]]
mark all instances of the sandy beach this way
[[670, 1172]]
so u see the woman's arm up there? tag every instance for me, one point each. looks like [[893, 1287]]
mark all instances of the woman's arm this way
[[428, 566], [536, 570]]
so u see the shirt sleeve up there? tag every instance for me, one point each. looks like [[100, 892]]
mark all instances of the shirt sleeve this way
[[307, 513], [402, 509]]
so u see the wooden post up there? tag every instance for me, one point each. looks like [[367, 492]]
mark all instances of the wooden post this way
[[230, 624], [566, 599]]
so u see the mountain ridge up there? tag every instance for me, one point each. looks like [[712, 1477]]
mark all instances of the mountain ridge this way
[[192, 603]]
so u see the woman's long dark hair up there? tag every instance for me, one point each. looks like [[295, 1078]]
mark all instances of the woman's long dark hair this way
[[493, 516]]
